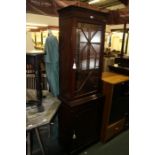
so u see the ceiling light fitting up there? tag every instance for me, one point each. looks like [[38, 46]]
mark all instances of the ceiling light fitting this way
[[93, 1]]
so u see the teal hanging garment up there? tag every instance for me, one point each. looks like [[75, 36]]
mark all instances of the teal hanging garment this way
[[52, 63]]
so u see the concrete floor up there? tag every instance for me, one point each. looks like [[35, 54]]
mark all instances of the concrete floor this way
[[116, 146]]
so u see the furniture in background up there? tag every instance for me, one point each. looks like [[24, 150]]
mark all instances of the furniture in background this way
[[120, 66], [81, 45], [124, 62], [119, 69], [41, 106], [35, 119], [116, 106], [106, 62], [34, 60]]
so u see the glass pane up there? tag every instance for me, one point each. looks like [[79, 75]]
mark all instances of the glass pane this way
[[88, 45], [97, 37], [83, 36]]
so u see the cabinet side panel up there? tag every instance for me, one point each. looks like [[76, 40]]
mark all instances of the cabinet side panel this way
[[65, 59]]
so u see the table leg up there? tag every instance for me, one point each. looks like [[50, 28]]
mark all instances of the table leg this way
[[49, 130], [39, 140], [28, 143]]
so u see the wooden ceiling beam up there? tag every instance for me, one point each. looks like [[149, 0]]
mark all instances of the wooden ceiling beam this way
[[105, 5], [125, 2]]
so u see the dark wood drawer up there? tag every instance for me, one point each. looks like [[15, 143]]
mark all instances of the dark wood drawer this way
[[114, 129]]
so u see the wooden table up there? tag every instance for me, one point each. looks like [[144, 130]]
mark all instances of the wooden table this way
[[114, 78], [35, 119]]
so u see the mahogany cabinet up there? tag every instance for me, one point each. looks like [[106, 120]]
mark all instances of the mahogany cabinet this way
[[116, 106], [81, 45], [79, 125]]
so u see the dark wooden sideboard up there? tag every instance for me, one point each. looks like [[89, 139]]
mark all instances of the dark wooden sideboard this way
[[116, 106]]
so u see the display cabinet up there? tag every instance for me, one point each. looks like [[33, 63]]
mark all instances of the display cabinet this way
[[81, 51], [116, 108], [81, 41]]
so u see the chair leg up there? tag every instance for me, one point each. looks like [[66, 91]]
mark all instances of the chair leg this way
[[39, 140]]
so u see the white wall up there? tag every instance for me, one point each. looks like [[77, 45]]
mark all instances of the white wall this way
[[42, 19]]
